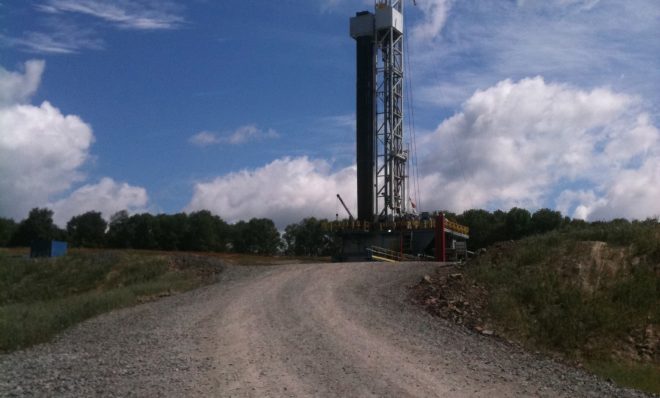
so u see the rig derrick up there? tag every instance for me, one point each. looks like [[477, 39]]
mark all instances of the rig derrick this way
[[384, 228]]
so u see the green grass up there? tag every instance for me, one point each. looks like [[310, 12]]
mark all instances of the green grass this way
[[41, 297], [644, 377], [643, 237], [536, 295]]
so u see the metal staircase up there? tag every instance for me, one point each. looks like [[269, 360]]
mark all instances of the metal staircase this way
[[391, 256]]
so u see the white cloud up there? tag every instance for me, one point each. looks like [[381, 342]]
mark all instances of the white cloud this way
[[42, 153], [590, 160], [578, 203], [633, 194], [589, 153], [61, 33], [582, 42], [241, 135], [250, 133], [16, 87], [285, 190], [582, 5], [517, 143], [107, 196], [204, 138], [435, 16], [64, 39], [128, 14], [630, 193]]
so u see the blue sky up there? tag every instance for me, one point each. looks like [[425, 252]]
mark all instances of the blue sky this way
[[246, 108]]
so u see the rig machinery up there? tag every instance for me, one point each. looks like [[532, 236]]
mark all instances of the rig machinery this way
[[384, 228]]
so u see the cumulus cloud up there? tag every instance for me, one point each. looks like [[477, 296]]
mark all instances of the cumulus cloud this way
[[578, 203], [239, 136], [630, 193], [42, 153], [592, 154], [16, 87], [633, 193], [518, 143], [285, 190], [107, 196]]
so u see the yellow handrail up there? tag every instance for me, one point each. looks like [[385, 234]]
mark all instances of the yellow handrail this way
[[407, 225]]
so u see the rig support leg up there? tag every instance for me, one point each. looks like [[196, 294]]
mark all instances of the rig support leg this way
[[440, 242]]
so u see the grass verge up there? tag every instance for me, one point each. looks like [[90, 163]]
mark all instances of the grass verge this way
[[640, 376], [590, 301], [41, 297]]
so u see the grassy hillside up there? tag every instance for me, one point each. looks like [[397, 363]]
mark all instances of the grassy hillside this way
[[40, 297], [591, 294]]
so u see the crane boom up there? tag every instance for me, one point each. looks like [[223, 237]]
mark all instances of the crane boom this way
[[350, 215]]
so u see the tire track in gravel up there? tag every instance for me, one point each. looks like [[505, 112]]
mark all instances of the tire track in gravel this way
[[296, 330]]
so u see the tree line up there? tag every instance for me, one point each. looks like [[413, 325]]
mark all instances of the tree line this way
[[487, 227], [204, 231], [196, 231]]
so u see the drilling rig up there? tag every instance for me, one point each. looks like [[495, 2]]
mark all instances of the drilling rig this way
[[381, 157], [384, 228]]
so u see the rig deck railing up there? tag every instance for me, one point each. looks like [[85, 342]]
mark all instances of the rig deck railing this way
[[405, 225]]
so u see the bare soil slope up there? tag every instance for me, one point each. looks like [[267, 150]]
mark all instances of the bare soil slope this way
[[293, 330]]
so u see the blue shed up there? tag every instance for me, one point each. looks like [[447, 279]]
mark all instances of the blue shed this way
[[48, 248]]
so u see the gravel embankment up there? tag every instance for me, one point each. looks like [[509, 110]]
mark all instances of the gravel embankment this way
[[295, 330]]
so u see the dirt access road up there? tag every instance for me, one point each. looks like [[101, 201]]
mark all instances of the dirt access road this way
[[292, 330]]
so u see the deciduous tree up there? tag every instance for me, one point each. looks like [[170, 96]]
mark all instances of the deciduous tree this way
[[37, 226], [121, 232], [7, 229], [518, 223], [258, 236], [545, 220], [307, 238], [87, 230]]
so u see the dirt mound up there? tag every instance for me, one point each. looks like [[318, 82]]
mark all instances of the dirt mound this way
[[203, 266], [450, 295], [592, 267]]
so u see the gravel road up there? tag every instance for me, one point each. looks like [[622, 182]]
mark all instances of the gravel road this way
[[292, 330]]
